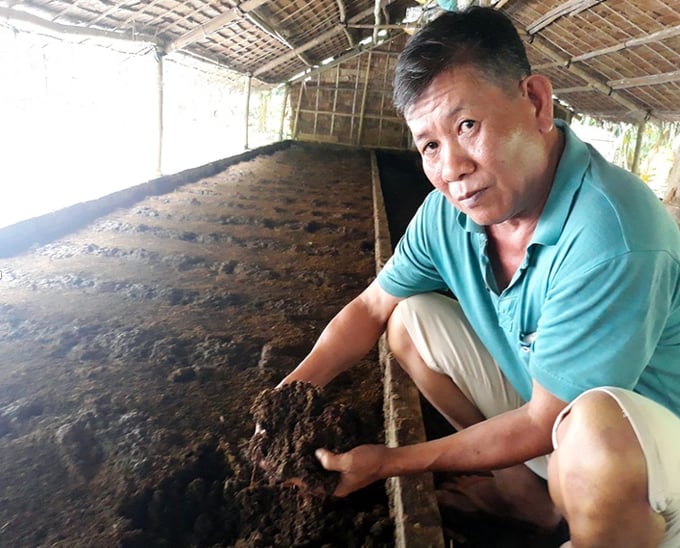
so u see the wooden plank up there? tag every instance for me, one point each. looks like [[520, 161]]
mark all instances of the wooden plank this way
[[651, 80]]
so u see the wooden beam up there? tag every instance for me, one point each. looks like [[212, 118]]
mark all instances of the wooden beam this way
[[651, 80], [318, 40], [635, 168], [633, 42], [249, 81], [546, 66], [571, 7], [350, 55], [378, 27], [265, 26], [363, 100], [376, 19], [75, 30], [575, 89], [638, 112], [350, 115], [342, 12], [159, 98], [335, 97], [215, 24], [283, 111], [297, 111]]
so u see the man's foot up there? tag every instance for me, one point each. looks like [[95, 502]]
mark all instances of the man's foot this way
[[485, 494]]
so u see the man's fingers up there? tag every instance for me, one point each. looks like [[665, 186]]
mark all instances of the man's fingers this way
[[327, 459]]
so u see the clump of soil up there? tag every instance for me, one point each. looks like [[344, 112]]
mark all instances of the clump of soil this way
[[243, 497], [295, 420]]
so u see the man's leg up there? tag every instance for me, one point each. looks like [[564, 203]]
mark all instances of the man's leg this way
[[436, 387], [598, 477], [516, 491]]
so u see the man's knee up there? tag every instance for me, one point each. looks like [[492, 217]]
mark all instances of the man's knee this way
[[597, 474], [597, 426], [596, 439]]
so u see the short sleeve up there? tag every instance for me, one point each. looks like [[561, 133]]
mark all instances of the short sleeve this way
[[411, 268]]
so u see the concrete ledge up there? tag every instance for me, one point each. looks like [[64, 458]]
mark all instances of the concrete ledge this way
[[40, 230], [413, 504]]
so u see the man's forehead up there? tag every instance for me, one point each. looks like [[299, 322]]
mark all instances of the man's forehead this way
[[446, 81]]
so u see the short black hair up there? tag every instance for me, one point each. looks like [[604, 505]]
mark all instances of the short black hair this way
[[482, 38]]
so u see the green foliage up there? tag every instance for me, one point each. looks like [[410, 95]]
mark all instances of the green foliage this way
[[659, 141]]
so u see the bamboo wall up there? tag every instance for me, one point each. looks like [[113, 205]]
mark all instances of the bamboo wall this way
[[351, 102]]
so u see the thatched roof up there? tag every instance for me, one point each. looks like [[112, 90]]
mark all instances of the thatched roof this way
[[615, 59]]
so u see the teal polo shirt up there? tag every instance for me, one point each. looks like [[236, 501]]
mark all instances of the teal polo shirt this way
[[596, 300]]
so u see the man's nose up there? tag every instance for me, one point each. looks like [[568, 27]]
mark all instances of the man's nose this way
[[456, 163]]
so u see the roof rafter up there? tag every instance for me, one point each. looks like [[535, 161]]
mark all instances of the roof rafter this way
[[90, 32], [572, 7], [213, 25], [637, 110], [263, 24], [319, 39], [343, 21], [633, 42], [650, 80]]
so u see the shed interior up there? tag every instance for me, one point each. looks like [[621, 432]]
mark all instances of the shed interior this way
[[126, 320]]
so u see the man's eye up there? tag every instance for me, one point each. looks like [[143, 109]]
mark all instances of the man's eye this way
[[466, 126], [429, 146]]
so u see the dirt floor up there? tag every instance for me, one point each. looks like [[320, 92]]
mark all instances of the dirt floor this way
[[133, 350]]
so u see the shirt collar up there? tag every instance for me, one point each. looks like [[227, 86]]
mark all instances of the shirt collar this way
[[571, 168]]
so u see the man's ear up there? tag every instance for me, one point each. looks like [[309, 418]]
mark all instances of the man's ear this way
[[538, 89]]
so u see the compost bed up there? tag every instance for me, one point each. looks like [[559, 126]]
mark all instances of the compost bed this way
[[132, 351]]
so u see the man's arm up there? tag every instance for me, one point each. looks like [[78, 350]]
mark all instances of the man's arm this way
[[347, 338], [507, 439]]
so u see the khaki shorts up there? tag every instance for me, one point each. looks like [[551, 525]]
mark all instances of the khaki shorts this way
[[448, 345]]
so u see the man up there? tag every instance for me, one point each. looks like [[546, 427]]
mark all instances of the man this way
[[564, 337]]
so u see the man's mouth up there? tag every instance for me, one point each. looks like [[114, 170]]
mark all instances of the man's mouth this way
[[470, 199]]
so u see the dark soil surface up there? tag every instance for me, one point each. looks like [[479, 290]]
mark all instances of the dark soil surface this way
[[137, 354], [132, 351]]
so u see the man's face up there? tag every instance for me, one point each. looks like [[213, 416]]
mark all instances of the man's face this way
[[481, 146]]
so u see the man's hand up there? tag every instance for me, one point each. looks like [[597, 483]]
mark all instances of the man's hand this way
[[358, 467]]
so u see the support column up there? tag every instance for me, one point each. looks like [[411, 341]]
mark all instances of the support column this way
[[363, 98], [635, 168], [297, 110], [249, 80], [283, 110], [159, 95]]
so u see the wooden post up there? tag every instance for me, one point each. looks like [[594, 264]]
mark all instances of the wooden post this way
[[354, 100], [316, 102], [159, 98], [249, 79], [335, 98], [635, 168], [385, 64], [297, 111], [283, 111], [363, 98]]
